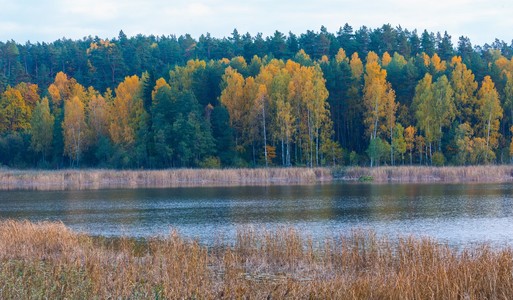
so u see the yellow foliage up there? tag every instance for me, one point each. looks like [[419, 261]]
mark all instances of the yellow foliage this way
[[455, 60], [356, 66], [74, 128], [437, 63], [341, 56], [426, 59], [386, 59], [124, 111], [161, 82]]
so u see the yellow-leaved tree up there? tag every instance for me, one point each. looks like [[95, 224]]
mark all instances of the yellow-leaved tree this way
[[233, 98], [125, 112], [75, 130], [464, 86], [489, 113]]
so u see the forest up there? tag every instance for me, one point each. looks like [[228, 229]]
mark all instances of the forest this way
[[368, 97]]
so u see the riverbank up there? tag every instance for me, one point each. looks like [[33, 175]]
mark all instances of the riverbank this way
[[47, 260], [101, 179]]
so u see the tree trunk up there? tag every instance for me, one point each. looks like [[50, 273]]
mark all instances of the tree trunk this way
[[488, 136], [265, 133]]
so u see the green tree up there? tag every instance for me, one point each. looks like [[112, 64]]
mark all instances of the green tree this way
[[409, 138], [464, 143], [42, 128], [398, 141], [443, 107], [223, 135]]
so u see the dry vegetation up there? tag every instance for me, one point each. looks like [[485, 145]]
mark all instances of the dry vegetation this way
[[98, 178], [418, 174], [48, 261]]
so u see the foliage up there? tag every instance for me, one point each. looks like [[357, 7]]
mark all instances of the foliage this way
[[171, 101]]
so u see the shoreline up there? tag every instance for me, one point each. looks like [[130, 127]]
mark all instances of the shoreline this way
[[82, 179]]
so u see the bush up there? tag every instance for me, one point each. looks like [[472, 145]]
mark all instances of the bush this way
[[211, 162], [438, 159]]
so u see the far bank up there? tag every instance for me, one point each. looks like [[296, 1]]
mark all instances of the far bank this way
[[74, 179]]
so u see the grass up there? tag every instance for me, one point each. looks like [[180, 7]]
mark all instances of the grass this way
[[47, 260]]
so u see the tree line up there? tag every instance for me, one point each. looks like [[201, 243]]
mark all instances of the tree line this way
[[369, 97]]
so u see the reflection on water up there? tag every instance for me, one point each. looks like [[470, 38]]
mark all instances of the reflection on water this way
[[459, 214]]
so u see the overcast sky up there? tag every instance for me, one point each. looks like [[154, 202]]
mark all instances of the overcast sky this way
[[39, 20]]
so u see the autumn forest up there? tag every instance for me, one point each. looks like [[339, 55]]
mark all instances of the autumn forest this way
[[369, 97]]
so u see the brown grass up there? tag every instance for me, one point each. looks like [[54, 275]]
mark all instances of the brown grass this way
[[46, 260], [98, 179], [419, 174]]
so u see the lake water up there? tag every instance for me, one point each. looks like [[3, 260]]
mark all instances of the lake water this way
[[453, 213]]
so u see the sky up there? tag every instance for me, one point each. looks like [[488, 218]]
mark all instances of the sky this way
[[48, 20]]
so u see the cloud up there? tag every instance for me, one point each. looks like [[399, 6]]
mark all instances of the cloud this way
[[36, 20]]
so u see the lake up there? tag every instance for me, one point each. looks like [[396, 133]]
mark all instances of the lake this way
[[460, 214]]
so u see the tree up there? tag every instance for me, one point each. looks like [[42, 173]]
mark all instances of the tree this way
[[223, 135], [42, 128], [444, 108], [511, 146], [378, 98], [14, 113], [378, 149], [374, 94], [409, 138], [75, 130], [464, 143], [97, 115], [389, 118], [489, 113], [232, 97], [464, 87], [434, 108], [423, 107], [398, 141], [124, 111]]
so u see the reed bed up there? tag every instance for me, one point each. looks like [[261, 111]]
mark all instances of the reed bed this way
[[48, 261], [99, 179], [420, 174]]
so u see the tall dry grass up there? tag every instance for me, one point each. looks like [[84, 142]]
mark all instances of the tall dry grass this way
[[98, 178], [48, 261], [418, 174]]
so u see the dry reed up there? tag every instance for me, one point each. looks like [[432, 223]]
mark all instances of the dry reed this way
[[48, 261], [98, 178], [420, 174]]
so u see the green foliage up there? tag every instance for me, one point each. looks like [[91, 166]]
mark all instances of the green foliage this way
[[398, 141], [223, 135], [303, 98], [353, 158], [438, 159], [42, 128], [378, 150], [210, 162], [366, 178], [182, 136]]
